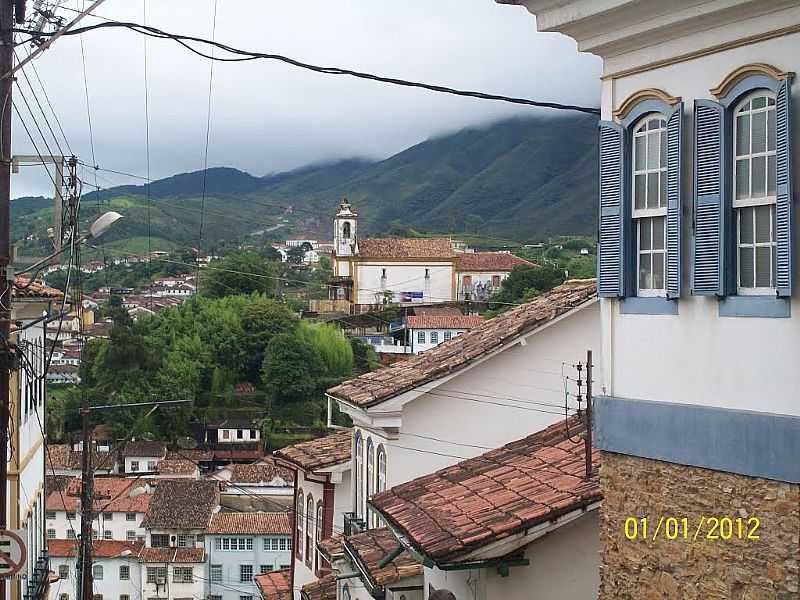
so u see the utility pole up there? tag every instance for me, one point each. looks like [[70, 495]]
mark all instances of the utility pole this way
[[587, 440], [6, 358]]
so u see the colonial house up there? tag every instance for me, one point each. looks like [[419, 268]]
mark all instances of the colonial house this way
[[172, 573], [142, 456], [240, 546], [480, 274], [27, 429], [116, 572], [180, 512], [515, 523], [63, 459], [509, 376], [322, 496], [256, 486], [697, 417], [428, 331], [231, 431]]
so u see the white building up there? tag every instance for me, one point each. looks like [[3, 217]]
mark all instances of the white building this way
[[256, 486], [172, 573], [428, 331], [116, 570], [240, 546], [700, 323], [322, 497], [480, 274], [232, 431], [142, 456]]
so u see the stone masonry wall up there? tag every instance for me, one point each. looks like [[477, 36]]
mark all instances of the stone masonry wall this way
[[696, 569]]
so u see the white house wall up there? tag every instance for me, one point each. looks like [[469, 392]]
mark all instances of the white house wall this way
[[405, 277], [111, 587], [118, 525], [302, 573], [231, 587]]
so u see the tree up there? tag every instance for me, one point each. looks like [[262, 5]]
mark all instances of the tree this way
[[333, 348], [473, 223], [291, 369], [364, 357], [261, 321], [524, 282], [240, 273]]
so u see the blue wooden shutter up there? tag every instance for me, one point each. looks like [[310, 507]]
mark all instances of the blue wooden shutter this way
[[610, 272], [709, 203], [674, 203], [783, 180]]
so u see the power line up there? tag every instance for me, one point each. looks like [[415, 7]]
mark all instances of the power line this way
[[50, 104], [245, 55], [39, 104]]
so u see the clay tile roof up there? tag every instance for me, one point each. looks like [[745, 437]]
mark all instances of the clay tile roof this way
[[172, 555], [275, 585], [145, 448], [405, 248], [371, 547], [34, 290], [253, 523], [321, 589], [55, 483], [112, 494], [262, 472], [60, 455], [320, 453], [451, 512], [377, 386], [488, 262], [182, 504], [332, 547], [445, 322], [176, 466], [193, 455], [100, 548]]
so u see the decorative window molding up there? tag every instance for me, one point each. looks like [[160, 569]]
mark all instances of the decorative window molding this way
[[641, 96], [745, 71]]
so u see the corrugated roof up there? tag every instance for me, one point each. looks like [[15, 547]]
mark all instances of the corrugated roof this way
[[320, 453], [479, 501], [253, 523], [465, 322], [477, 262], [405, 248], [377, 386]]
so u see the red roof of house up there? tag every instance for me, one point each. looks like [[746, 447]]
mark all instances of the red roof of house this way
[[488, 262], [252, 523], [371, 547], [320, 453], [100, 548], [275, 585], [466, 322], [405, 248], [476, 502], [172, 555], [321, 589]]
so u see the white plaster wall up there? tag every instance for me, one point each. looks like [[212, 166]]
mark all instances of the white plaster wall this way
[[246, 437], [302, 573], [405, 277], [196, 589], [231, 560], [342, 501], [422, 347], [143, 462], [478, 277], [118, 525], [739, 363], [111, 587]]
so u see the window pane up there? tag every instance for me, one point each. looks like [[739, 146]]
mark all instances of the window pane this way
[[771, 165], [743, 178], [742, 135], [652, 190], [759, 102], [759, 176], [771, 130], [663, 190], [644, 271], [663, 161], [745, 107], [763, 223], [644, 234], [658, 233], [653, 151], [746, 267], [658, 270], [763, 263], [640, 191], [640, 152], [746, 226], [759, 132]]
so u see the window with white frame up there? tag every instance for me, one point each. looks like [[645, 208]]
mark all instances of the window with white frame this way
[[448, 335], [420, 337], [134, 465], [130, 536], [182, 574], [216, 573], [97, 572], [124, 572], [370, 478], [754, 197], [63, 571], [156, 574], [380, 484], [649, 199], [298, 513], [130, 516], [245, 573], [70, 534], [318, 537], [358, 474], [107, 534], [309, 529], [51, 534], [434, 337]]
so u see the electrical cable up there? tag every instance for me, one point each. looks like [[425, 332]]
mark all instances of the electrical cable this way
[[147, 148], [50, 104], [41, 109]]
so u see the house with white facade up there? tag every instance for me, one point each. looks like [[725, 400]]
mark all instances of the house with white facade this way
[[116, 572], [142, 456], [240, 546], [172, 573], [322, 497], [480, 274], [699, 243], [232, 431], [179, 512], [256, 487], [428, 331]]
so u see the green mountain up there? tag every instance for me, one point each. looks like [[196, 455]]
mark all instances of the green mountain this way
[[523, 179]]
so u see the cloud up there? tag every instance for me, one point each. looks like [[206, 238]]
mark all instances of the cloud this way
[[267, 116]]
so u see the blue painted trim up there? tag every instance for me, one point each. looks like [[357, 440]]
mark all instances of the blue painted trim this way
[[645, 107], [755, 306], [636, 305], [747, 85], [744, 442]]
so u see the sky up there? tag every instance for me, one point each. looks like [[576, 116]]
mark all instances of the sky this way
[[268, 117]]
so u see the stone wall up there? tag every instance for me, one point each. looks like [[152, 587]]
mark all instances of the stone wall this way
[[701, 569]]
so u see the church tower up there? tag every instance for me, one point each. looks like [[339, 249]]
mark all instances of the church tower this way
[[345, 230]]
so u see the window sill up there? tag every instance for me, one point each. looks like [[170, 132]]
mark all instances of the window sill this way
[[770, 307], [648, 305]]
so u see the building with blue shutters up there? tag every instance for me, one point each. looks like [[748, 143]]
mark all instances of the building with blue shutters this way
[[698, 417]]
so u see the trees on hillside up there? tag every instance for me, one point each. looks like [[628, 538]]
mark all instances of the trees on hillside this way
[[241, 273], [523, 283]]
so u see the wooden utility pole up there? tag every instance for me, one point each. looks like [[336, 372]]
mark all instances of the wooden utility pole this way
[[587, 440]]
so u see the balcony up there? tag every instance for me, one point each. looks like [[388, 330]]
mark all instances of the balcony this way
[[353, 524]]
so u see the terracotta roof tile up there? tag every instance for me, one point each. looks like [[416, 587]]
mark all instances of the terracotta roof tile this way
[[172, 555], [254, 523], [445, 322], [320, 453], [195, 455], [371, 547], [478, 501], [321, 589], [112, 494], [476, 262], [34, 290], [145, 448], [176, 466], [377, 386], [182, 504], [332, 547], [100, 548], [405, 248], [262, 472], [275, 585]]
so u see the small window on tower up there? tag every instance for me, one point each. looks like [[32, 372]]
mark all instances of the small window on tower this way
[[346, 230], [383, 273]]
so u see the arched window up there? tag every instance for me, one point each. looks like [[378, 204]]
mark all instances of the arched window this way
[[370, 479], [649, 197], [346, 230], [380, 484], [357, 475], [309, 529], [318, 534], [298, 518], [754, 198]]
